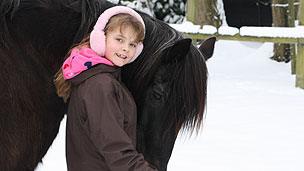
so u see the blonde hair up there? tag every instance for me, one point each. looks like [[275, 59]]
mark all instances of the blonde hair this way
[[122, 20]]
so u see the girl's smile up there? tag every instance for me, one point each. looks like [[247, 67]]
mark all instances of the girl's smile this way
[[121, 56]]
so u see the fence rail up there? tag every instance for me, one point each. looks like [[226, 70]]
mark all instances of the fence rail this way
[[299, 42], [238, 37]]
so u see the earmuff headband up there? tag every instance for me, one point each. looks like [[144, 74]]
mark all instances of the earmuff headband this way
[[97, 36]]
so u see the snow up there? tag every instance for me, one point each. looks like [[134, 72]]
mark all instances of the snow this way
[[221, 11], [285, 32], [254, 117], [294, 32], [208, 29], [226, 30], [189, 27], [186, 27]]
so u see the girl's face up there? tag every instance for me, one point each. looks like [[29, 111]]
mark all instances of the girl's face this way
[[120, 45]]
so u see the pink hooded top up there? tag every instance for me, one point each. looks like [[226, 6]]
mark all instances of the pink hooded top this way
[[81, 60]]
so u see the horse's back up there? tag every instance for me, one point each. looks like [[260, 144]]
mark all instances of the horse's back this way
[[30, 110]]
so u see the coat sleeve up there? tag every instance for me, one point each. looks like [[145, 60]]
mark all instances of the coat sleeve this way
[[105, 129]]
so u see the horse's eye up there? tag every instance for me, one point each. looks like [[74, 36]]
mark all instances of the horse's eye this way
[[157, 95], [158, 92]]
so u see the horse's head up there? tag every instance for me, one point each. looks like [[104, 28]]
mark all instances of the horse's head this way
[[177, 89], [169, 84]]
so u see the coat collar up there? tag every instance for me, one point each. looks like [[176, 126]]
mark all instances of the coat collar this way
[[100, 68]]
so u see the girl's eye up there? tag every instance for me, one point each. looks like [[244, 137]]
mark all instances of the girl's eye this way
[[119, 40], [133, 45]]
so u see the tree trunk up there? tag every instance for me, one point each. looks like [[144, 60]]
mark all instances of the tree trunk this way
[[282, 52], [203, 12]]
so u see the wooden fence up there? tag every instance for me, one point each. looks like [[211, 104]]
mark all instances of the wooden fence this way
[[299, 53], [297, 63]]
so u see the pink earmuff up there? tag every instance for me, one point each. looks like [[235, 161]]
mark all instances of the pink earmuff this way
[[97, 36]]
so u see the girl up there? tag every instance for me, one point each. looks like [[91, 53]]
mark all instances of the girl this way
[[101, 119]]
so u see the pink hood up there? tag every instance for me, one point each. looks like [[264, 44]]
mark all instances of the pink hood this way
[[81, 60]]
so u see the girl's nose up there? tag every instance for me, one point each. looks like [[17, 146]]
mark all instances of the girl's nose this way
[[125, 48]]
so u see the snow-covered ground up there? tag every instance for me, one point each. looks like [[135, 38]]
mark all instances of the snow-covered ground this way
[[254, 118]]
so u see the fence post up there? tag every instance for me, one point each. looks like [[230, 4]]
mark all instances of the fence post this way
[[291, 23], [300, 66], [282, 51], [300, 49]]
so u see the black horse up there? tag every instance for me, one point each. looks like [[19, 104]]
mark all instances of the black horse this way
[[168, 80]]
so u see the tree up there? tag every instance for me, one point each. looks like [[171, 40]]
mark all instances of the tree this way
[[203, 12], [169, 11]]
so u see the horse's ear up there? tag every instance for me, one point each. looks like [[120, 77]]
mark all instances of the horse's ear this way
[[207, 47], [178, 51]]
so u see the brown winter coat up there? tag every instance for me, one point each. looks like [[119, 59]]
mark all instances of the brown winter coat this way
[[101, 124]]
